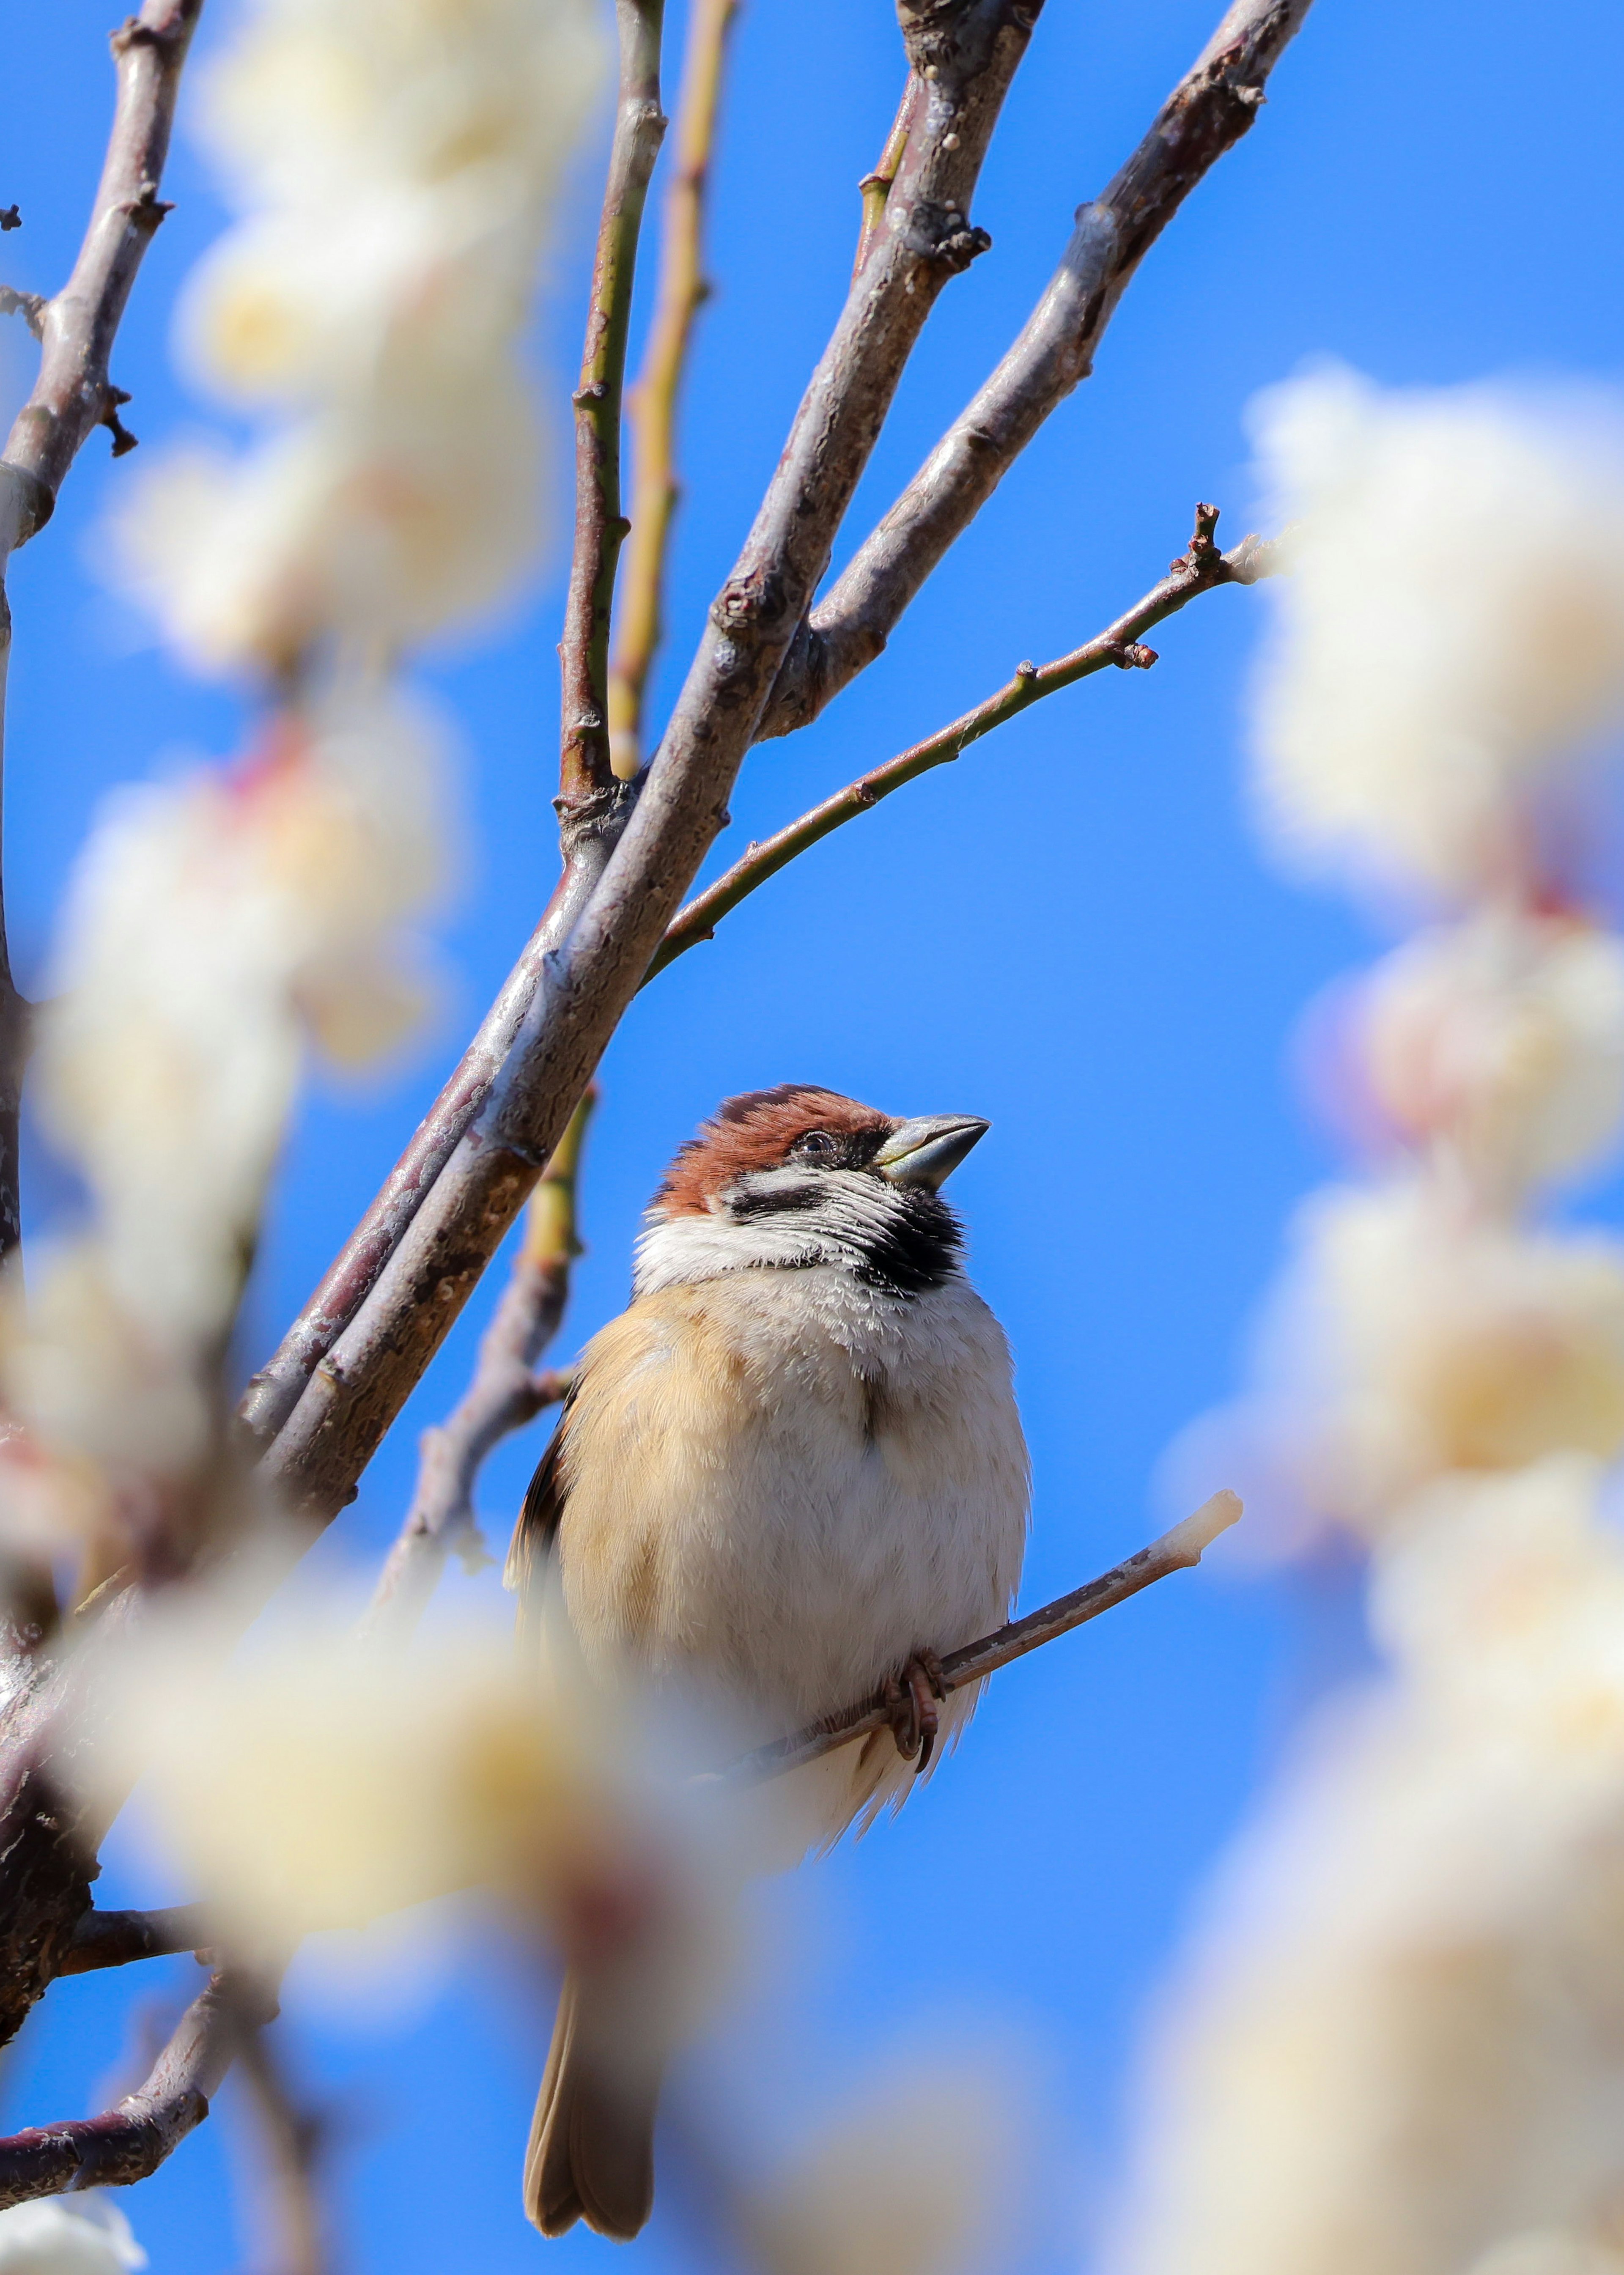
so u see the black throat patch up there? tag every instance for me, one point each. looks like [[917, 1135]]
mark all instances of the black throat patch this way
[[902, 1239]]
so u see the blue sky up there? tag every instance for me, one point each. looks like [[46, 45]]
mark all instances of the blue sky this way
[[1069, 932]]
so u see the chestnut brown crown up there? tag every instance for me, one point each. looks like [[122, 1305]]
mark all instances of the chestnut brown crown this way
[[757, 1130]]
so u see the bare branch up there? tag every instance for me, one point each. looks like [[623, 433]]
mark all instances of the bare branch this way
[[1210, 105], [1175, 1551], [589, 794], [294, 2139], [682, 291], [593, 806], [1213, 106], [127, 2142], [1202, 570], [506, 1392], [967, 52], [115, 1939], [73, 393]]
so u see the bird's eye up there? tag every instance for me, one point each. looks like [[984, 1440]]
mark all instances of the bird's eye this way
[[815, 1146]]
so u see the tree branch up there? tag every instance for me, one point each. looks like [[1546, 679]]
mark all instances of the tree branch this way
[[1175, 1551], [294, 2139], [505, 1393], [127, 2142], [967, 51], [73, 393], [115, 1939], [1210, 109], [1202, 570], [592, 805], [589, 793], [1188, 135], [682, 293]]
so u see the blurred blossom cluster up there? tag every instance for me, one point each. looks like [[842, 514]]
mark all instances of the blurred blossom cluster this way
[[1398, 2038], [395, 162], [81, 2234], [317, 1777]]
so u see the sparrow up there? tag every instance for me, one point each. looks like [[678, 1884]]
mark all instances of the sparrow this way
[[786, 1478]]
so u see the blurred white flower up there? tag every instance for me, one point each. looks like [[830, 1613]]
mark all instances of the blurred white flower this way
[[378, 525], [1549, 2251], [909, 2181], [1399, 2043], [1408, 1337], [317, 100], [201, 911], [1500, 1040], [80, 2234], [1453, 623], [214, 923], [399, 160], [314, 1778]]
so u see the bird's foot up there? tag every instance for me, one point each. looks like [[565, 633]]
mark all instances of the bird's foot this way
[[910, 1701]]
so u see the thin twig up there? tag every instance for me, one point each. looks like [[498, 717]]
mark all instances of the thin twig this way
[[355, 1391], [506, 1392], [653, 402], [130, 2140], [592, 807], [1175, 1551], [1210, 109], [115, 1939], [73, 394], [588, 791], [1202, 570], [296, 2138]]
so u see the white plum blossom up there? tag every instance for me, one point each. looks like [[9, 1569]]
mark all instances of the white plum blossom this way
[[398, 165], [1398, 2040], [1410, 1337], [313, 1779], [1452, 626], [216, 924], [1499, 1041], [898, 2183], [81, 2234]]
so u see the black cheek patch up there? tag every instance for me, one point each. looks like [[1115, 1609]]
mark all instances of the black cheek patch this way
[[771, 1201]]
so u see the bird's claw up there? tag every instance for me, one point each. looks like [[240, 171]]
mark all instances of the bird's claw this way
[[910, 1701]]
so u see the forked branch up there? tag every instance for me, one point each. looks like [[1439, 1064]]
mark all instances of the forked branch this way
[[1213, 106], [1202, 570], [128, 2141], [318, 1459], [355, 1391]]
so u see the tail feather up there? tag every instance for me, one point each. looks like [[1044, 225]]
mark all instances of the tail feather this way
[[592, 2140]]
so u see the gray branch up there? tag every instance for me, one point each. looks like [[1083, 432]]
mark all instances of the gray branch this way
[[1209, 110]]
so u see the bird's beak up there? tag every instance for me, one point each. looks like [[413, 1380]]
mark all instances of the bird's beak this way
[[927, 1150]]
